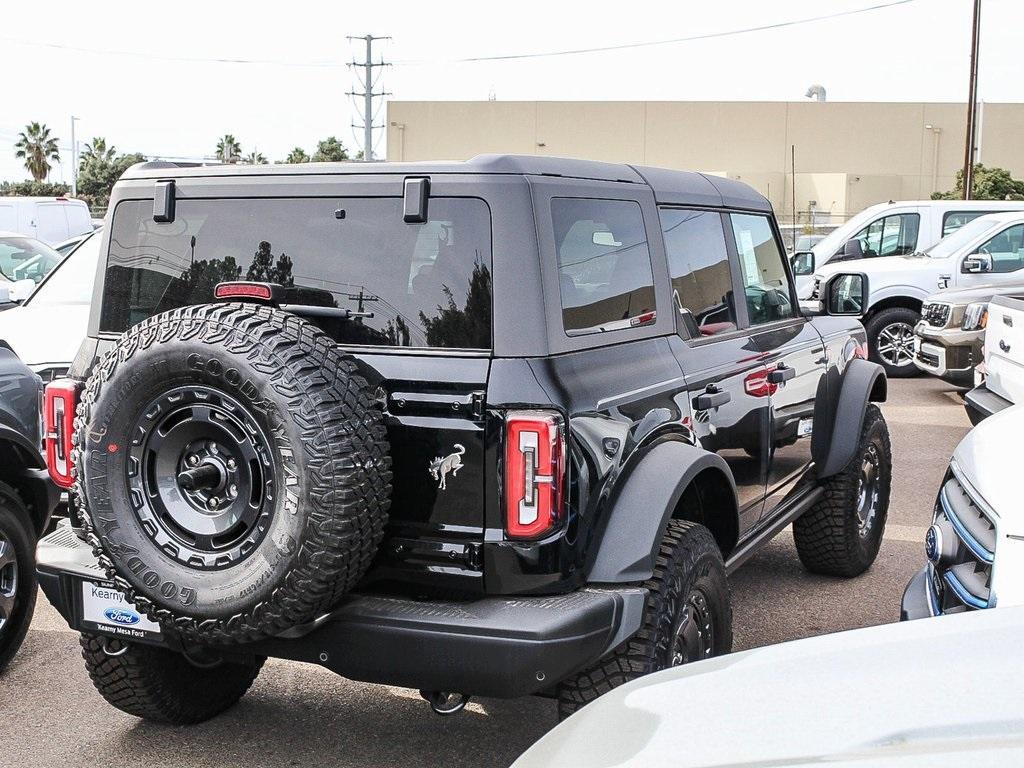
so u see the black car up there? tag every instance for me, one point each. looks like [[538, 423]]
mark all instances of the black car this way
[[499, 427], [27, 499]]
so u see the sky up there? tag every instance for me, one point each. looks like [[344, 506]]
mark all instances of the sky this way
[[157, 81]]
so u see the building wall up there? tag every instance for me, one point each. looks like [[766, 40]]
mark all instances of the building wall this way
[[848, 154]]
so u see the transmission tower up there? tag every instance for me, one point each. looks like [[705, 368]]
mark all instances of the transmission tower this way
[[367, 81]]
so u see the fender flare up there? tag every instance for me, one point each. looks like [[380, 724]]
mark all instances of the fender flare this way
[[28, 473], [640, 511], [839, 416]]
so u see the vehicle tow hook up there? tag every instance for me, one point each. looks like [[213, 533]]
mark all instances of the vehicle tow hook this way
[[445, 703]]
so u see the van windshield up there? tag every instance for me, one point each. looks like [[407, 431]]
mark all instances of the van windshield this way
[[414, 285], [953, 243]]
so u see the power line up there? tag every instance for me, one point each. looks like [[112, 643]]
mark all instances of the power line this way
[[368, 94], [653, 43]]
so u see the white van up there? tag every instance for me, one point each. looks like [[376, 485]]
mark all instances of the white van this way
[[891, 229], [49, 219]]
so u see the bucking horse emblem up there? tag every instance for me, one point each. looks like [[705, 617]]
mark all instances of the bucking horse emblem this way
[[441, 466]]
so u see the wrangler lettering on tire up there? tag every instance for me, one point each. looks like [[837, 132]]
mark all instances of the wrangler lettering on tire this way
[[238, 470]]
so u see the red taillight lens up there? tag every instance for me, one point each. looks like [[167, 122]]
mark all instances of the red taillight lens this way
[[534, 473], [59, 404], [243, 291]]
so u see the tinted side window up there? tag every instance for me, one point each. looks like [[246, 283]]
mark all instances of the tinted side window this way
[[604, 265], [1006, 249], [765, 282], [426, 285], [894, 235], [698, 264]]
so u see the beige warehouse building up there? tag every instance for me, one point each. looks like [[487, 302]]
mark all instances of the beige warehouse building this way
[[848, 154]]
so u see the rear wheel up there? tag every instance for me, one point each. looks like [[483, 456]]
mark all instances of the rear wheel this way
[[891, 341], [687, 617], [162, 686], [17, 572]]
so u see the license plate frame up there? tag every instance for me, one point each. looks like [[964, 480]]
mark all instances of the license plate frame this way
[[103, 609]]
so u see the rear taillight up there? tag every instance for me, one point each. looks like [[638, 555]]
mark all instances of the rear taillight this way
[[59, 404], [534, 473]]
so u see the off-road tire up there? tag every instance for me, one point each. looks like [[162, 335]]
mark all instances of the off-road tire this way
[[17, 529], [162, 686], [875, 326], [328, 440], [829, 537], [687, 559]]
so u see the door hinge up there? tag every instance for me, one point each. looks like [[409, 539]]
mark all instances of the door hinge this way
[[477, 404]]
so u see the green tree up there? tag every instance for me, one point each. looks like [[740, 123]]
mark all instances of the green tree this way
[[330, 150], [989, 184], [466, 327], [264, 268], [99, 167], [297, 155], [97, 151], [37, 148], [254, 158], [33, 189], [228, 149]]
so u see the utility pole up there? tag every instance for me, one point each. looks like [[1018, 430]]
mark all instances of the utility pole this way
[[972, 106], [368, 65], [74, 158]]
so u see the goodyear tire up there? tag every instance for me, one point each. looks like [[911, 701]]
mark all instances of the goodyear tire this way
[[234, 472]]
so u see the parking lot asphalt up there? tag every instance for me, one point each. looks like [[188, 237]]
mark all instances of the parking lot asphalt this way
[[297, 715]]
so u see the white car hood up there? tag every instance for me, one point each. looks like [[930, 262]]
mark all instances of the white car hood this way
[[988, 459], [936, 692], [45, 334], [883, 265]]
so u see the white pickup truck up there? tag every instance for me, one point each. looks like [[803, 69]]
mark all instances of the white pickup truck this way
[[1000, 376], [986, 251]]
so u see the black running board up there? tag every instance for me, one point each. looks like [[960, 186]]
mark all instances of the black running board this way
[[770, 529]]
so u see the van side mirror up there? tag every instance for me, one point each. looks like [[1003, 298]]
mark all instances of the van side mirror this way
[[846, 295], [21, 289], [852, 249], [802, 263], [976, 263]]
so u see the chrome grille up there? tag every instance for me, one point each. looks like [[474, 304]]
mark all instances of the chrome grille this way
[[936, 314], [964, 583]]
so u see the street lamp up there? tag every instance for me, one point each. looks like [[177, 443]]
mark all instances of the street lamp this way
[[74, 158]]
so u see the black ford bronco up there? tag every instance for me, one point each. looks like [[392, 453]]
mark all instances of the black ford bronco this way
[[499, 427]]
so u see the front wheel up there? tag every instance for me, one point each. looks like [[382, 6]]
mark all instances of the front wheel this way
[[17, 572], [841, 534], [891, 341], [687, 617]]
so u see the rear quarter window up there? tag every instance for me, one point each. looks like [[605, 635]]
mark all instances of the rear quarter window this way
[[425, 285]]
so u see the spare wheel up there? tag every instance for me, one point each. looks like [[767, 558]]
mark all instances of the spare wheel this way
[[234, 470]]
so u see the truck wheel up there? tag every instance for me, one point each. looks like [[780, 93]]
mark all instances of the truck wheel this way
[[17, 572], [840, 535], [236, 469], [891, 341], [160, 685], [687, 617]]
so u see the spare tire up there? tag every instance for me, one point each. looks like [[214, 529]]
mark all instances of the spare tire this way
[[233, 470]]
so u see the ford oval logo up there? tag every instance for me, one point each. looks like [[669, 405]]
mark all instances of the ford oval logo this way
[[121, 616], [933, 543]]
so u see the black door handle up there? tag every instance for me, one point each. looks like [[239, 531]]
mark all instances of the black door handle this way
[[713, 397], [1004, 346], [781, 374]]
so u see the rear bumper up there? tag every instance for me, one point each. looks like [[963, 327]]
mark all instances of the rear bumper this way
[[496, 646], [981, 402]]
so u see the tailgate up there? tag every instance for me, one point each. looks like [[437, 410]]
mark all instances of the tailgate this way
[[1004, 348]]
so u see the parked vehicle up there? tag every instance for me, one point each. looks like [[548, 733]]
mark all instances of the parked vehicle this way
[[891, 229], [975, 545], [308, 428], [24, 262], [27, 498], [67, 246], [949, 339], [49, 219], [1000, 376], [49, 327], [891, 695], [986, 251]]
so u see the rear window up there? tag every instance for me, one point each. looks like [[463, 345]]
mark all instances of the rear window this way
[[426, 285], [604, 265]]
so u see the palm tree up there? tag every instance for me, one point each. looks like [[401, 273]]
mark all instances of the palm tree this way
[[97, 151], [297, 155], [254, 158], [37, 148], [228, 149]]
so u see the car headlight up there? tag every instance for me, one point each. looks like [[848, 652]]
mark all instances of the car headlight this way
[[975, 316]]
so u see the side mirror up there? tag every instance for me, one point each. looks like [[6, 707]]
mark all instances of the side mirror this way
[[976, 263], [845, 295], [21, 290], [802, 263], [852, 249], [5, 293]]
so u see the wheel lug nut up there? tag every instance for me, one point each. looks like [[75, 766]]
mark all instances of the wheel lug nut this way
[[193, 459], [231, 464], [233, 491], [213, 502]]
